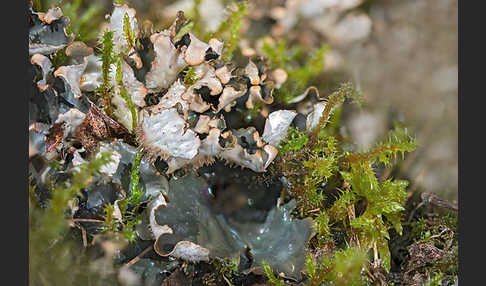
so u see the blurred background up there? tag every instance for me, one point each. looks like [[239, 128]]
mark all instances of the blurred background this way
[[401, 54]]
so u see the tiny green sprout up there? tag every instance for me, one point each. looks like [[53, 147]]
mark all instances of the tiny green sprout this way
[[127, 30], [129, 205], [398, 142], [128, 230], [345, 91], [136, 192], [190, 76], [184, 30], [317, 272], [110, 224], [107, 59], [311, 267], [124, 94], [270, 276]]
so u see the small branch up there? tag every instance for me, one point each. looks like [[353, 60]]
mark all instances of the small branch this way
[[137, 258], [86, 220], [351, 217], [85, 240], [227, 280], [376, 259]]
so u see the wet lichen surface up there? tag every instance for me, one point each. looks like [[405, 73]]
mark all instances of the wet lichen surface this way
[[173, 156]]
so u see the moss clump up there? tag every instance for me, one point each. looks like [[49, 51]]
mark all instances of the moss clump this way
[[294, 141], [316, 169]]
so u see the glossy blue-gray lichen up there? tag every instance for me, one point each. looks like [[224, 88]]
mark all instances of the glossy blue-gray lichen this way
[[280, 239], [47, 31]]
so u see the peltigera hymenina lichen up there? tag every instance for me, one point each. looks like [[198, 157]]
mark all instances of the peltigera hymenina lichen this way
[[145, 128]]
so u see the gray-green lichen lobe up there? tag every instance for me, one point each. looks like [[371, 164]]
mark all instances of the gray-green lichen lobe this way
[[280, 239]]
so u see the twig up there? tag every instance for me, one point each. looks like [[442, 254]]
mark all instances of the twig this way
[[86, 220], [376, 260], [432, 199], [412, 213], [137, 258], [351, 217], [85, 240], [227, 280]]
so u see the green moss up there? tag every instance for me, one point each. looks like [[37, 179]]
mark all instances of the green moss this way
[[294, 141], [270, 276], [136, 192], [384, 200], [84, 22], [129, 34], [229, 30], [184, 30], [335, 99], [124, 93], [343, 268], [53, 259], [323, 228], [107, 58], [300, 70], [128, 206], [190, 76], [312, 161], [110, 224]]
